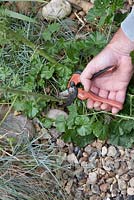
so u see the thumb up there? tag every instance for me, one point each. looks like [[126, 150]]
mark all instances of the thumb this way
[[92, 68], [101, 61], [87, 74], [86, 82]]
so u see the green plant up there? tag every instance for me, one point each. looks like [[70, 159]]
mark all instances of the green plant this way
[[105, 15], [36, 57], [81, 126]]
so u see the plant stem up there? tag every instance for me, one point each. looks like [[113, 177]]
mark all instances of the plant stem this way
[[8, 111], [117, 115], [14, 35], [32, 94]]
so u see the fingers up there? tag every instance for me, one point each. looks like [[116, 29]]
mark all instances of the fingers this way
[[104, 94], [90, 103], [120, 97], [111, 87], [95, 104]]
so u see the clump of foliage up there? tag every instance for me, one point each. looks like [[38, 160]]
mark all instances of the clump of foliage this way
[[38, 57]]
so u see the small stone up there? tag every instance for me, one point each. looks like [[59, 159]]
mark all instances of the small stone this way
[[81, 13], [79, 173], [60, 143], [131, 182], [117, 164], [101, 171], [125, 177], [77, 152], [130, 164], [69, 186], [85, 154], [121, 151], [54, 113], [102, 195], [97, 144], [95, 189], [54, 133], [104, 187], [104, 151], [124, 192], [120, 197], [127, 153], [92, 178], [131, 173], [70, 148], [45, 133], [92, 165], [111, 175], [82, 159], [123, 168], [79, 155], [108, 164], [130, 197], [112, 152], [122, 184], [82, 182], [88, 149], [95, 197], [109, 180], [93, 156], [78, 195], [71, 158], [84, 164], [132, 154], [114, 185], [114, 190], [56, 9], [130, 191]]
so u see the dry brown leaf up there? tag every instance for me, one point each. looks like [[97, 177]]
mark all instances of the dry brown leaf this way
[[24, 7], [86, 6]]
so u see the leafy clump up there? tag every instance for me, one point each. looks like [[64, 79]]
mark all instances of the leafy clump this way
[[122, 133], [82, 129], [37, 59], [104, 11]]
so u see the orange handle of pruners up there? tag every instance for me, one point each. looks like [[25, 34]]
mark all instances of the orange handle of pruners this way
[[83, 95]]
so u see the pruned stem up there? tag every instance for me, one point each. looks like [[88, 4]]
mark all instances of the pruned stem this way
[[32, 94]]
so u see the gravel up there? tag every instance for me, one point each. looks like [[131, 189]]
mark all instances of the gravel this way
[[100, 171]]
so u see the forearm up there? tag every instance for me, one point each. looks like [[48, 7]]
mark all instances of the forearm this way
[[123, 40], [121, 43], [128, 26]]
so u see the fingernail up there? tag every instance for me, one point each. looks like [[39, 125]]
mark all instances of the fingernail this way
[[115, 111], [97, 104], [104, 106]]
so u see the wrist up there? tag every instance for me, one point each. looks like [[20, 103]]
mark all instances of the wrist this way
[[121, 44]]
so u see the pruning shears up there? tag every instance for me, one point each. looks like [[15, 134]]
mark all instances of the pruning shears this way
[[75, 91]]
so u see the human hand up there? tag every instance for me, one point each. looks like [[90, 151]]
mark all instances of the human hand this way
[[111, 85]]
